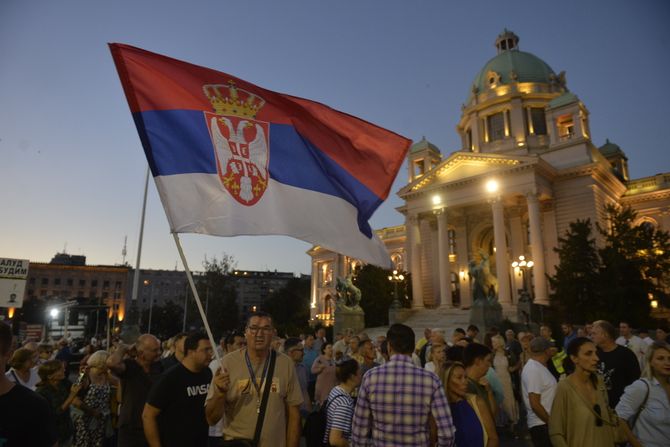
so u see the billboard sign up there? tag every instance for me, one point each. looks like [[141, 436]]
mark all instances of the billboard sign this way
[[13, 276]]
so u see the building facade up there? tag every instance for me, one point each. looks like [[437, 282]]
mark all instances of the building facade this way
[[67, 278], [527, 167]]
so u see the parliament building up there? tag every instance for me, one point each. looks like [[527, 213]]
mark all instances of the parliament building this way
[[526, 169]]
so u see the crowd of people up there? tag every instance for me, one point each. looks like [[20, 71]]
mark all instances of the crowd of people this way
[[597, 386]]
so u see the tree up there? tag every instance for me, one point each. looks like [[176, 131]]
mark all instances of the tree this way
[[217, 295], [377, 294], [635, 264], [574, 286], [166, 320], [289, 307]]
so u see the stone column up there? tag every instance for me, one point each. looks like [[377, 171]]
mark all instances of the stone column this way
[[314, 304], [443, 268], [462, 256], [502, 263], [415, 260], [508, 130], [476, 133], [537, 250], [516, 249]]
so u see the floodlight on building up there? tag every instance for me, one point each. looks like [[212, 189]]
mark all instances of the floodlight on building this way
[[654, 304], [437, 200], [492, 186]]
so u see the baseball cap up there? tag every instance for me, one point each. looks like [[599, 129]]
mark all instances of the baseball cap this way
[[539, 344]]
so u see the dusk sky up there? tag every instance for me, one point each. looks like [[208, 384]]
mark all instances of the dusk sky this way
[[72, 166]]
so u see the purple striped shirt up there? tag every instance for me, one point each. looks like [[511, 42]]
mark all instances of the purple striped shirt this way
[[394, 402]]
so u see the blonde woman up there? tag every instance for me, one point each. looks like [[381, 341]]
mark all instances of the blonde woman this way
[[470, 413], [502, 368], [645, 404], [93, 424], [437, 358]]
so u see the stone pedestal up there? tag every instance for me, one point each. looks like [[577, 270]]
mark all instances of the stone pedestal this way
[[345, 318], [485, 315], [399, 314]]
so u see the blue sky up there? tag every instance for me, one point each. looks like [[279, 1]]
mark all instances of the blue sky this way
[[71, 163]]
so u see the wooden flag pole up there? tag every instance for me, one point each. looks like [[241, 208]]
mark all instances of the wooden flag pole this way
[[196, 296]]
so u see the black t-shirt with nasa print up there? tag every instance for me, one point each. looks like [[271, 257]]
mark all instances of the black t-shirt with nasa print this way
[[180, 395]]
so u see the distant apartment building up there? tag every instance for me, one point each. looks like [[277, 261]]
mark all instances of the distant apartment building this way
[[68, 278], [254, 287]]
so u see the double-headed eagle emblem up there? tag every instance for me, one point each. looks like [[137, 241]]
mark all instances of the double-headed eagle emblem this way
[[240, 141]]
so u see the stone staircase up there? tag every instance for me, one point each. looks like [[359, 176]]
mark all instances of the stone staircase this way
[[419, 319]]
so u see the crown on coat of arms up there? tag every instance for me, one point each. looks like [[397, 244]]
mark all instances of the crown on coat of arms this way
[[230, 100]]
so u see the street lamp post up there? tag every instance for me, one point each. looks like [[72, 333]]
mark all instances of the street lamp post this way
[[522, 264], [395, 278]]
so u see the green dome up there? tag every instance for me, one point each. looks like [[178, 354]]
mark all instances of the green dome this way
[[422, 145], [609, 149], [524, 66]]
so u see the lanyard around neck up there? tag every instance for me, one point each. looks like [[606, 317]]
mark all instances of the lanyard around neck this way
[[252, 373]]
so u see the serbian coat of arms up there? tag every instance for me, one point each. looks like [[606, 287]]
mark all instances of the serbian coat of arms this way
[[240, 141]]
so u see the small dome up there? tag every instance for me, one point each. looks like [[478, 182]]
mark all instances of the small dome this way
[[610, 149], [422, 145], [511, 65]]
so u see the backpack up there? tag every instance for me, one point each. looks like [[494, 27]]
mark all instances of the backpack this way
[[315, 425]]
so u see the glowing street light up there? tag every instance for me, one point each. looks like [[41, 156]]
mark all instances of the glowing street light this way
[[54, 313], [395, 278]]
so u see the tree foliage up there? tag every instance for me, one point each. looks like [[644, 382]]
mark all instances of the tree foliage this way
[[289, 307], [575, 283], [615, 281], [635, 263], [376, 294], [217, 295], [166, 319]]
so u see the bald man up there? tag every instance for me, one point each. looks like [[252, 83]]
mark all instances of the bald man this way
[[137, 373]]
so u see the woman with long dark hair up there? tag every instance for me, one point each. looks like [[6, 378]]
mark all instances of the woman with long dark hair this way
[[580, 414]]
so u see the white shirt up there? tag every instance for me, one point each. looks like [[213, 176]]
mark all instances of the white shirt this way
[[536, 378], [636, 345], [430, 366], [652, 427], [32, 382]]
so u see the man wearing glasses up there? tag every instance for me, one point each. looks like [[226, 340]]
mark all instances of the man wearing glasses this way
[[237, 389]]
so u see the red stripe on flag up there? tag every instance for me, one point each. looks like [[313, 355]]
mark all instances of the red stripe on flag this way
[[370, 153]]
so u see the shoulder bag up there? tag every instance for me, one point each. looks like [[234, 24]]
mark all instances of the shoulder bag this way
[[261, 414]]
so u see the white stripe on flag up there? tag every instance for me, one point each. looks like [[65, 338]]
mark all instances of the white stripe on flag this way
[[198, 203]]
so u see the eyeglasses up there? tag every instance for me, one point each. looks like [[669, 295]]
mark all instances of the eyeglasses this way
[[263, 330], [599, 421]]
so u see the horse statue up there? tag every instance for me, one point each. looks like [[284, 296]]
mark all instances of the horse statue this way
[[348, 295]]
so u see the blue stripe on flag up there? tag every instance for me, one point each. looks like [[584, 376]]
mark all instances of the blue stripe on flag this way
[[178, 142]]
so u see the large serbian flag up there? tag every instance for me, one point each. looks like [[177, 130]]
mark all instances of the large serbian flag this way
[[230, 158]]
